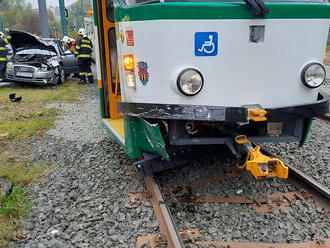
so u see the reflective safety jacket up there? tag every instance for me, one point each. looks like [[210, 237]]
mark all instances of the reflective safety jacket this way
[[72, 46], [3, 51], [84, 48]]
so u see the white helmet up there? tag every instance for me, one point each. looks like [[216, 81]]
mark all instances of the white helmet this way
[[2, 35], [66, 39], [82, 32]]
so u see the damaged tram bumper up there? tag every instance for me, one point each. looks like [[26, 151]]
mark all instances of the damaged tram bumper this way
[[188, 125], [204, 125]]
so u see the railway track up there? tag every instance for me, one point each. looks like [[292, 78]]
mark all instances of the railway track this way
[[325, 117], [171, 236]]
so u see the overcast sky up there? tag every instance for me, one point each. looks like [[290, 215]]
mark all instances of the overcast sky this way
[[50, 2]]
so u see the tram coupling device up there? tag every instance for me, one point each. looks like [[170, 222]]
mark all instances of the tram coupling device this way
[[260, 165]]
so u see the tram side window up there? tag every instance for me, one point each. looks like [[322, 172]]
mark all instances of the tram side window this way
[[113, 60], [110, 11]]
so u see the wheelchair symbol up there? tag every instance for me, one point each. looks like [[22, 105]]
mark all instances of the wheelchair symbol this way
[[208, 46], [206, 43]]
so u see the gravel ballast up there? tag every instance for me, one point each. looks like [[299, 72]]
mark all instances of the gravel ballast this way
[[314, 157], [84, 201], [304, 221]]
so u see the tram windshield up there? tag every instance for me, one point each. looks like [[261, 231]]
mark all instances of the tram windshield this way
[[140, 2]]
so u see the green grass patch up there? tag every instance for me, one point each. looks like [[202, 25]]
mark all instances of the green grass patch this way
[[15, 206], [328, 47], [67, 92], [21, 172], [19, 121]]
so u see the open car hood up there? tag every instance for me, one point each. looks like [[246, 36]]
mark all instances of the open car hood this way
[[21, 40]]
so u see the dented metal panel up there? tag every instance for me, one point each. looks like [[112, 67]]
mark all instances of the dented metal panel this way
[[183, 112], [142, 136]]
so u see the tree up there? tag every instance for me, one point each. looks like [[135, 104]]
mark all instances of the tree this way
[[76, 16], [17, 14], [30, 22]]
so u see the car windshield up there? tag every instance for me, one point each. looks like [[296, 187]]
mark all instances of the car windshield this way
[[36, 51], [140, 2]]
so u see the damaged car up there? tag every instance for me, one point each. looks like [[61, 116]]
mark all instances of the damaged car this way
[[34, 60]]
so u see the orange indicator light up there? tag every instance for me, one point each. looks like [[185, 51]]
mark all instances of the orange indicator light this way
[[128, 62], [325, 57]]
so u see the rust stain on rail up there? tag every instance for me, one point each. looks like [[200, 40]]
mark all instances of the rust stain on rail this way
[[166, 226]]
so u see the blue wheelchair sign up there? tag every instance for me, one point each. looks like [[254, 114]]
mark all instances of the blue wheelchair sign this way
[[206, 43]]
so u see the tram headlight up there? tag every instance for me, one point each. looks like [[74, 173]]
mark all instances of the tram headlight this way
[[313, 75], [190, 82]]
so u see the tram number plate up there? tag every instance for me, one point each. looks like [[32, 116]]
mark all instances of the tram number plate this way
[[24, 74]]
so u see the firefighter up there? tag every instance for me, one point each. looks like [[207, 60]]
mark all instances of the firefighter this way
[[3, 55], [83, 51], [70, 43]]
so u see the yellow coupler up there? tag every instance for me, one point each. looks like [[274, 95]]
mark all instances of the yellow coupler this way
[[260, 165]]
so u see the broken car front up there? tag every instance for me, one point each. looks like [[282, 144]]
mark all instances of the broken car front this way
[[34, 61]]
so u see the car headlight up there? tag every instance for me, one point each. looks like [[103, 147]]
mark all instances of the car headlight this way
[[313, 75], [10, 64], [190, 82]]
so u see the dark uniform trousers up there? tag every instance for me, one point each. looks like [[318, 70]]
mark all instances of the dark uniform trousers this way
[[3, 66], [3, 58], [85, 67], [84, 53]]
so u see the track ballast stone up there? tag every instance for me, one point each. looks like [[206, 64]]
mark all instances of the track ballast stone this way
[[314, 157], [84, 201], [238, 222]]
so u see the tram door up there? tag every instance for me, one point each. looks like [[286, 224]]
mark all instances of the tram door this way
[[109, 58]]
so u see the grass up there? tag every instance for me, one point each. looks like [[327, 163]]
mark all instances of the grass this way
[[12, 209], [328, 47], [15, 206], [18, 122], [21, 172]]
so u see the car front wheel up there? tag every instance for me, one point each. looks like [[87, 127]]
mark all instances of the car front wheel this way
[[61, 76]]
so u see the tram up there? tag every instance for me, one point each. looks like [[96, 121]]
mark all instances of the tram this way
[[176, 74]]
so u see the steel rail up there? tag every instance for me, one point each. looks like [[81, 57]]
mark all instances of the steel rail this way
[[324, 117], [302, 176], [166, 223]]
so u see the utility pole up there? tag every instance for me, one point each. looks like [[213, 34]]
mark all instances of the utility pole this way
[[74, 20], [1, 23], [82, 13], [63, 18], [43, 17]]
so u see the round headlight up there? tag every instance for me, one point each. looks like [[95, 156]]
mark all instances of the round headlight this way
[[313, 75], [190, 82]]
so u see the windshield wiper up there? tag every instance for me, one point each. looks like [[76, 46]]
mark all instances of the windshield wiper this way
[[258, 7]]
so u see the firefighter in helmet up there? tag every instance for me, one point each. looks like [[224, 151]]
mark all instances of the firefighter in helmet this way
[[83, 51], [3, 54], [69, 43]]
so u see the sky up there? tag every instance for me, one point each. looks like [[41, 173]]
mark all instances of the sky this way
[[50, 3]]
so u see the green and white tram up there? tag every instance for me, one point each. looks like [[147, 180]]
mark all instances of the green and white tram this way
[[184, 73]]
